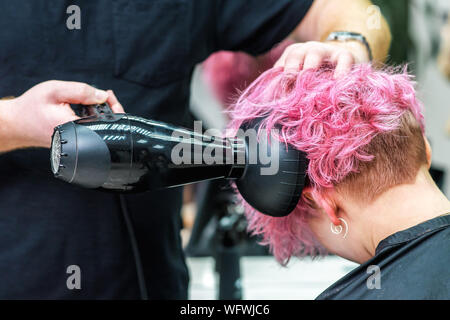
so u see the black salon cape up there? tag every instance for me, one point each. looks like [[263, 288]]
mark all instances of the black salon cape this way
[[145, 51], [413, 264]]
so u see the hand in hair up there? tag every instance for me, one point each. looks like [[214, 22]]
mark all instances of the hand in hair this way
[[312, 55]]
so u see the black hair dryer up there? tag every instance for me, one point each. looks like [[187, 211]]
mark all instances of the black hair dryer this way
[[125, 153]]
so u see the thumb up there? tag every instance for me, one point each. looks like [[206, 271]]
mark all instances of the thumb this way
[[114, 102], [75, 92]]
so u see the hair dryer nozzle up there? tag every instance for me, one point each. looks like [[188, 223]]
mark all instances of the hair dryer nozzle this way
[[79, 156], [272, 187]]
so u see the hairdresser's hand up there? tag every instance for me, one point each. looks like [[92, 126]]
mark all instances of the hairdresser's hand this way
[[312, 54], [28, 121]]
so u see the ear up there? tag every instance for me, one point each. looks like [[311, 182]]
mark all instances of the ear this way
[[331, 210], [428, 151], [322, 201]]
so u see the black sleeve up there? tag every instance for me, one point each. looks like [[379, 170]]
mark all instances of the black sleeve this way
[[253, 26]]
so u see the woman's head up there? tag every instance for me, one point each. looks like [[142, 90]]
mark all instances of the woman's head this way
[[362, 133]]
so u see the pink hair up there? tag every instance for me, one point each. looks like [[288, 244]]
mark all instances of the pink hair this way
[[333, 121]]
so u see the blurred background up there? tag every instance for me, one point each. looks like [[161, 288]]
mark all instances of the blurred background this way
[[227, 263]]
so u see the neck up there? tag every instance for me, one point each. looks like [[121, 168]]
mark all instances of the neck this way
[[400, 208]]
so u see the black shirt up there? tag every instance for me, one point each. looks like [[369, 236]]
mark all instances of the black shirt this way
[[413, 264], [145, 51]]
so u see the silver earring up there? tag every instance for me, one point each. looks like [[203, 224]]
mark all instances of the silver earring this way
[[338, 229]]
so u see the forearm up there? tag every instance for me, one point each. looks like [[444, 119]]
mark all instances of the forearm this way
[[8, 139], [326, 16]]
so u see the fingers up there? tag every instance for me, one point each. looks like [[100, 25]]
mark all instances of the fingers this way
[[312, 55], [66, 114], [281, 61], [114, 102], [314, 59], [294, 60], [344, 63], [74, 92], [302, 56]]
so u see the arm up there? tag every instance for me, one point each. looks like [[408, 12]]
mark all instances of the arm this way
[[326, 16], [28, 121]]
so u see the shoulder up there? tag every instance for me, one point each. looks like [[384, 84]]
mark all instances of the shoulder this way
[[417, 269]]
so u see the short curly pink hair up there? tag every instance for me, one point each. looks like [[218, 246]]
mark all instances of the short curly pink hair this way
[[362, 133]]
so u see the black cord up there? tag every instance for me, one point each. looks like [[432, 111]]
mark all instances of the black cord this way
[[135, 248]]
